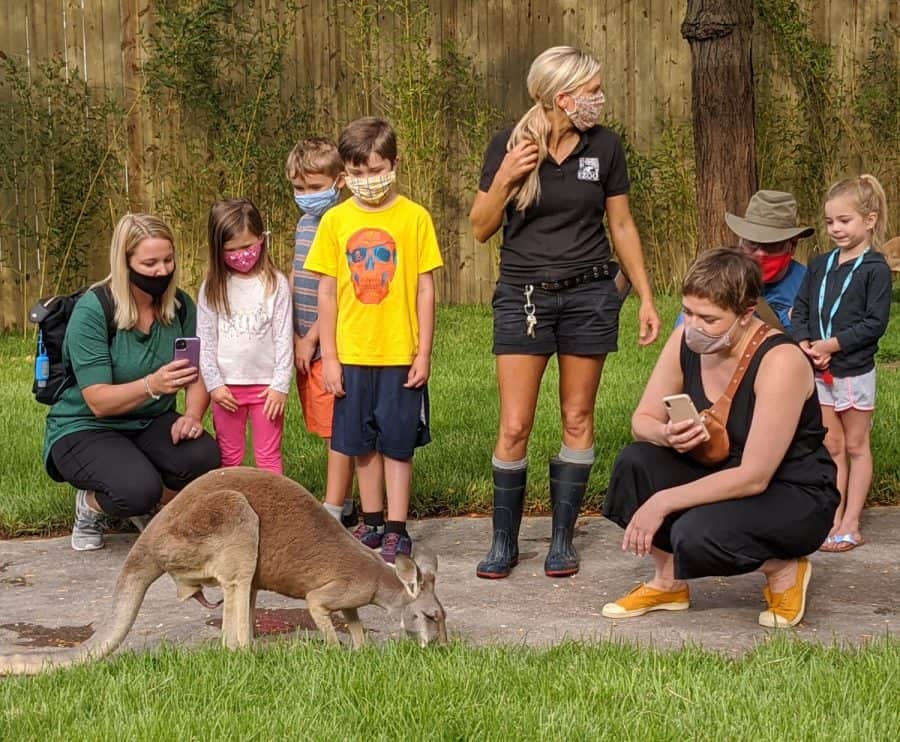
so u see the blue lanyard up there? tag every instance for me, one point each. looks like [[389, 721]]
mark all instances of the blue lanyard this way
[[825, 330]]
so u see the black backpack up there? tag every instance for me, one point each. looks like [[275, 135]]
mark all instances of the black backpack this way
[[52, 317]]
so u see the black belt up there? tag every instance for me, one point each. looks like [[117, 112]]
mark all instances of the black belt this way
[[603, 272]]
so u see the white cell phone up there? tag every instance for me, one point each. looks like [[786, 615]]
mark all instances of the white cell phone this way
[[681, 407]]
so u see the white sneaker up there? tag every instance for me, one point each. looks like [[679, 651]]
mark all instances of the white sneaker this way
[[87, 533]]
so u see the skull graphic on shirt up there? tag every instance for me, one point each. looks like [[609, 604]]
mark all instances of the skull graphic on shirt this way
[[372, 257]]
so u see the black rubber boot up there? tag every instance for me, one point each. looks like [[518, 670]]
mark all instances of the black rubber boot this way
[[509, 497], [567, 485]]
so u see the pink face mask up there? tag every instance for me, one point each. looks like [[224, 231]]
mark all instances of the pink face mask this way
[[245, 259]]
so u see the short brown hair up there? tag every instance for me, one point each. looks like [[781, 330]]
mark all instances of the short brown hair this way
[[725, 276], [314, 156], [364, 136]]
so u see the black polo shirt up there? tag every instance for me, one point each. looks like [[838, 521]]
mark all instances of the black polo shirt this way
[[562, 234]]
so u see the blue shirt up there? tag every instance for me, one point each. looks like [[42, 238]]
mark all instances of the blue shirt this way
[[781, 294]]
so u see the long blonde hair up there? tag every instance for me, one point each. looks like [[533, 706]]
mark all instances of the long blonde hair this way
[[131, 230], [560, 69], [868, 197]]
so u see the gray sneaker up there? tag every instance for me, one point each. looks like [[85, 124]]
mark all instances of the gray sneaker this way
[[87, 534]]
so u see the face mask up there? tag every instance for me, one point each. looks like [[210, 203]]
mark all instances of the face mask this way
[[587, 110], [245, 259], [700, 341], [154, 285], [772, 265], [316, 204], [373, 188]]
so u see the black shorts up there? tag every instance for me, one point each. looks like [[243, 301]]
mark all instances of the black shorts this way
[[379, 414], [579, 321]]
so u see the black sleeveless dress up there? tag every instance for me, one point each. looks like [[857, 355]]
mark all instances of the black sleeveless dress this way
[[790, 519]]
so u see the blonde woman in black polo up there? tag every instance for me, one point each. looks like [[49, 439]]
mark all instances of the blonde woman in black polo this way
[[549, 180]]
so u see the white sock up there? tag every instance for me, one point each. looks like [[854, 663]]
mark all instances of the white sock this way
[[333, 510]]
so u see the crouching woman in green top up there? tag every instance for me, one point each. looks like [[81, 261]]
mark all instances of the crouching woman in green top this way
[[114, 433]]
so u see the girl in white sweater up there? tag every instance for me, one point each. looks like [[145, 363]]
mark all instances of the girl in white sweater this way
[[246, 335]]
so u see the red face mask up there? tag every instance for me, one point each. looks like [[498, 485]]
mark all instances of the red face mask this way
[[773, 265]]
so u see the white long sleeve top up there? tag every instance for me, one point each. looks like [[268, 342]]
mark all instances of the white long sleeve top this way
[[252, 345]]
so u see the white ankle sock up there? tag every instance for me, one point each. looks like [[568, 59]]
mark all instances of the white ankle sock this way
[[333, 510]]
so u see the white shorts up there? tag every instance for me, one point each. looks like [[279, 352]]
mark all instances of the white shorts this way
[[848, 392]]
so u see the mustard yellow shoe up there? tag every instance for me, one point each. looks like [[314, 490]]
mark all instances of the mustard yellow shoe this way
[[787, 608], [644, 599]]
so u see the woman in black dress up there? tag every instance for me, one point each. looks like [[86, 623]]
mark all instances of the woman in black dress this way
[[765, 507]]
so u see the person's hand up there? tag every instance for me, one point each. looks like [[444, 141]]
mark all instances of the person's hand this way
[[186, 427], [821, 354], [274, 405], [223, 397], [684, 435], [649, 322], [518, 162], [419, 372], [304, 350], [643, 526], [172, 377], [333, 377]]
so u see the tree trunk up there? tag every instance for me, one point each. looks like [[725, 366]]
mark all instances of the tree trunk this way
[[719, 32]]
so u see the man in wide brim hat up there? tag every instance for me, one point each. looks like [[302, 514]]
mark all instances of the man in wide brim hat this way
[[769, 233]]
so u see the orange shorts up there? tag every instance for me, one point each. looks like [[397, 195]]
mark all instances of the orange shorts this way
[[318, 405]]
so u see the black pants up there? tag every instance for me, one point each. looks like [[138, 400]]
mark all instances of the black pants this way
[[128, 469], [731, 537]]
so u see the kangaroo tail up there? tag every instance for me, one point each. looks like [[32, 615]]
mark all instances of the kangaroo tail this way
[[138, 573]]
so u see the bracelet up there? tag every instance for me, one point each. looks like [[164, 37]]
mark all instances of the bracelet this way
[[149, 390]]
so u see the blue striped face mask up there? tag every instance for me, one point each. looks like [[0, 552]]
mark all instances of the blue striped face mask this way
[[316, 204]]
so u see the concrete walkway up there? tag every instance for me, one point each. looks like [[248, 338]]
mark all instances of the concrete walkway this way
[[50, 595]]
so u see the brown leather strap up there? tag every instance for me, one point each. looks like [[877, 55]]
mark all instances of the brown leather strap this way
[[723, 403]]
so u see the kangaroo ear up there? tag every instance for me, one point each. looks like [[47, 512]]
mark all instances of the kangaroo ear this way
[[409, 575], [426, 559]]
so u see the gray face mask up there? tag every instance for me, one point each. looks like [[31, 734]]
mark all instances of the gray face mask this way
[[700, 341]]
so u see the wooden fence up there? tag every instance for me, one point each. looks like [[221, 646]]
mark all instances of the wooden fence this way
[[646, 62]]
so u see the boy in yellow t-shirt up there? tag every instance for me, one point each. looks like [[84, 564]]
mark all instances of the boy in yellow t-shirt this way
[[375, 254]]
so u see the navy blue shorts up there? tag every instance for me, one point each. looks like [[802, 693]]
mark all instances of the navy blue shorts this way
[[579, 321], [379, 414]]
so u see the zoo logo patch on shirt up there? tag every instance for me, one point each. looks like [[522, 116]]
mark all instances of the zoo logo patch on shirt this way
[[588, 168]]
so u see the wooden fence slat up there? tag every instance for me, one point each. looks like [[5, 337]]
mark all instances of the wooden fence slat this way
[[646, 76]]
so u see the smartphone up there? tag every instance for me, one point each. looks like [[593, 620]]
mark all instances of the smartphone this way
[[681, 407], [188, 348]]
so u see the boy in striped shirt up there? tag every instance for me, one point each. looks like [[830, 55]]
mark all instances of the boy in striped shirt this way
[[315, 170]]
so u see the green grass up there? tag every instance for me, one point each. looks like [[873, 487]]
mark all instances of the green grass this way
[[452, 475], [783, 690]]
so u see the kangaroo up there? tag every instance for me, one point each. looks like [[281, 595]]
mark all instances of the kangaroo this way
[[248, 530]]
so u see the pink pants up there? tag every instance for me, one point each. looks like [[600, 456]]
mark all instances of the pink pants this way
[[231, 429]]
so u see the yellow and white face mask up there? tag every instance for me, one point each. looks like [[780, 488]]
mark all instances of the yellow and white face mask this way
[[371, 189]]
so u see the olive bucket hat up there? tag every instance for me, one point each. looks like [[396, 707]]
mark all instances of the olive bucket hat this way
[[771, 217]]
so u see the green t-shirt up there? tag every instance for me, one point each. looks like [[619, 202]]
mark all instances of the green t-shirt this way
[[94, 360]]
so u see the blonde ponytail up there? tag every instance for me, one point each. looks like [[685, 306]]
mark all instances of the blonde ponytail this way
[[868, 197], [560, 69], [534, 127]]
